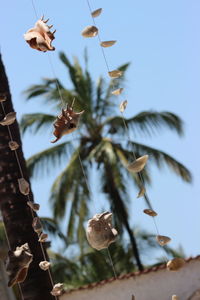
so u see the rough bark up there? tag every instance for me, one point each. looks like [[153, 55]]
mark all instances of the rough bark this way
[[15, 212]]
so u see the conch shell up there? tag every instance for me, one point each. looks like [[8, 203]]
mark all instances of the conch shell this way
[[100, 233], [66, 123], [138, 165], [17, 264], [9, 119], [90, 31], [175, 264], [40, 37]]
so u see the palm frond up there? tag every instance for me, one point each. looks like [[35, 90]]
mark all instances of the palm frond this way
[[51, 226], [35, 122]]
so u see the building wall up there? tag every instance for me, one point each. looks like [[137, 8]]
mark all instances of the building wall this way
[[158, 285]]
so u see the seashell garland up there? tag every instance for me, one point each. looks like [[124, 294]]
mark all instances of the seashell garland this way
[[100, 233], [117, 91], [123, 106], [37, 225], [175, 264], [138, 165], [57, 289], [13, 145], [115, 73], [96, 12], [44, 265], [163, 240], [24, 186], [142, 191], [150, 212], [33, 206], [9, 119], [90, 31], [107, 44], [43, 237]]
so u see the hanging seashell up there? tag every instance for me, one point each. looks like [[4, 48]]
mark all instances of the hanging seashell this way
[[17, 264], [115, 73], [174, 297], [96, 12], [57, 289], [117, 91], [100, 233], [66, 123], [40, 37], [163, 240], [13, 145], [150, 212], [3, 97], [9, 119], [175, 264], [107, 44], [90, 31], [141, 193], [37, 225], [33, 206], [123, 106], [43, 237], [44, 265], [138, 164], [23, 186]]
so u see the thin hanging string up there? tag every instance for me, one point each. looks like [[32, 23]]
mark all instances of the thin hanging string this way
[[140, 176], [22, 175], [34, 8]]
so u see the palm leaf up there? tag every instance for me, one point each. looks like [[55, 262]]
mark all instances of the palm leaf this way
[[51, 226], [36, 121]]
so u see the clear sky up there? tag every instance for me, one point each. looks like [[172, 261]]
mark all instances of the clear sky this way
[[161, 40]]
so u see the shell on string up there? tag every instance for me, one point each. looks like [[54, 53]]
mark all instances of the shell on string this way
[[117, 91], [40, 37], [33, 206], [141, 192], [115, 73], [174, 297], [57, 289], [24, 186], [9, 119], [100, 232], [44, 265], [66, 123], [138, 164], [107, 44], [163, 240], [3, 97], [123, 106], [13, 145], [37, 225], [175, 264], [150, 212], [96, 12], [43, 237], [17, 264], [90, 31]]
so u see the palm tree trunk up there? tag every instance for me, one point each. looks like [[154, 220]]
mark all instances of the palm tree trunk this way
[[120, 211], [15, 212]]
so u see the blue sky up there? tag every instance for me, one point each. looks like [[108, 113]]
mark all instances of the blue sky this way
[[161, 40]]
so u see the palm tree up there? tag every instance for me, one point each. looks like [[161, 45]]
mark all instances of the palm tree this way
[[99, 143]]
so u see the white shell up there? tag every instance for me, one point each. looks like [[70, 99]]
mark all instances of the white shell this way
[[115, 73], [175, 264], [43, 237], [150, 212], [9, 119], [163, 240], [23, 186], [44, 265], [13, 145], [123, 106], [117, 91], [57, 289], [100, 233], [107, 44], [96, 12], [33, 206], [138, 165], [90, 31], [142, 191]]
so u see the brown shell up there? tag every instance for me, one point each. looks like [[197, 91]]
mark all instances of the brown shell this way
[[40, 37], [174, 297], [150, 212], [3, 97], [96, 12], [138, 165], [175, 264], [163, 240], [24, 186], [141, 192], [107, 44], [90, 31], [13, 145], [115, 73], [9, 119], [123, 106], [43, 237], [33, 206], [117, 91], [37, 225]]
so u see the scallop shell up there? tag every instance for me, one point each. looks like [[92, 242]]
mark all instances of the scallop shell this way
[[43, 237], [117, 91], [44, 265], [96, 12], [37, 225], [107, 44], [33, 206], [57, 289], [123, 106], [9, 119], [142, 191], [13, 145], [90, 31], [24, 186], [175, 264], [163, 240], [115, 73], [138, 164], [150, 212]]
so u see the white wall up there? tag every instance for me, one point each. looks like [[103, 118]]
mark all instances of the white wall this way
[[159, 285]]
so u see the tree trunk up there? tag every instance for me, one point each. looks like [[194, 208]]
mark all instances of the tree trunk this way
[[15, 212], [120, 211]]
